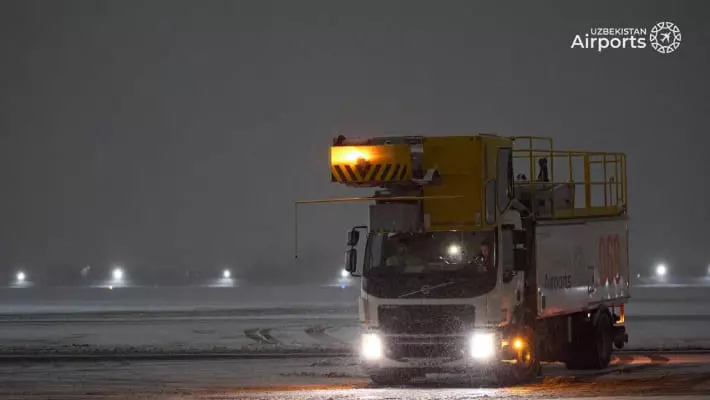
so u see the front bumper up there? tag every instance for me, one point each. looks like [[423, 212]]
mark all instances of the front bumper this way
[[432, 354]]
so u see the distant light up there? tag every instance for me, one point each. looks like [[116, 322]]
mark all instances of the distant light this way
[[21, 277], [638, 275], [117, 274], [661, 270], [454, 250], [344, 273], [226, 274]]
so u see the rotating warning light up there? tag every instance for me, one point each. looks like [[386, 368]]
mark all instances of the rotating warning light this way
[[348, 155]]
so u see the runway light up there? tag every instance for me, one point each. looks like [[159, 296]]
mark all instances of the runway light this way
[[117, 274], [344, 273], [21, 277], [226, 274], [661, 270]]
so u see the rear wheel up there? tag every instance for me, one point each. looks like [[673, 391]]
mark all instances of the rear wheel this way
[[591, 348], [604, 337]]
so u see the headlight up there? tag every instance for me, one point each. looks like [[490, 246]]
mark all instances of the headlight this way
[[454, 250], [482, 345], [371, 346]]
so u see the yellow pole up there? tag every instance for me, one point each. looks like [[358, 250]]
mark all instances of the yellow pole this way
[[295, 214], [605, 181], [616, 178], [624, 187], [587, 186], [552, 162]]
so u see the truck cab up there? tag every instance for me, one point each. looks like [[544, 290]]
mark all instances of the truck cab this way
[[437, 302]]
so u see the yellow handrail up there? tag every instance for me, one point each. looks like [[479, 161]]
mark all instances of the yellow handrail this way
[[603, 171]]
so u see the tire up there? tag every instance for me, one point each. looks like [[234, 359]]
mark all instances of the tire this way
[[527, 367], [604, 342], [592, 348], [391, 378], [575, 361]]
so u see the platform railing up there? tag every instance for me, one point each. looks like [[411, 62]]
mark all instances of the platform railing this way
[[597, 179]]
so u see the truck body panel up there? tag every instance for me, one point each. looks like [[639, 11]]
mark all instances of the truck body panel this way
[[581, 264]]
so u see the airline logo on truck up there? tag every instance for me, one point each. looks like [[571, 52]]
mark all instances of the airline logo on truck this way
[[564, 281], [609, 259]]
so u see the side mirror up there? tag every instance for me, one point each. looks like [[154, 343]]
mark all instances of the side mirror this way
[[353, 237], [351, 260], [520, 259]]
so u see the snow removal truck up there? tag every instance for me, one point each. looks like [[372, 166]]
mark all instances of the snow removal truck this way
[[486, 252]]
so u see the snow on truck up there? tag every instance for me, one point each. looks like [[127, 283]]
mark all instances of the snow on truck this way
[[486, 252]]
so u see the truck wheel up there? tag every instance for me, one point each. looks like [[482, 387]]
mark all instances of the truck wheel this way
[[527, 366], [604, 338], [391, 378], [592, 348]]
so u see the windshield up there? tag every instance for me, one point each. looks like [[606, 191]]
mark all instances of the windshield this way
[[430, 252]]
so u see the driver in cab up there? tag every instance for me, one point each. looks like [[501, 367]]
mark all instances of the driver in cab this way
[[483, 259], [403, 256]]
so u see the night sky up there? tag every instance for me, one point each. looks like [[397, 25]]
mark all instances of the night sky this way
[[175, 134]]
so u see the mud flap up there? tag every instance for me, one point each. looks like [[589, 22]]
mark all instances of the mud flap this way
[[620, 336]]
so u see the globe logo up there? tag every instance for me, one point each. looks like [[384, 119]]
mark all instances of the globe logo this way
[[665, 37]]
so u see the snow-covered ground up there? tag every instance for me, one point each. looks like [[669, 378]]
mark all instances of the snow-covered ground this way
[[337, 378], [296, 318], [286, 321], [37, 300]]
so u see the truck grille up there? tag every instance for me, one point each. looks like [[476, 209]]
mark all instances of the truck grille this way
[[445, 319], [404, 347]]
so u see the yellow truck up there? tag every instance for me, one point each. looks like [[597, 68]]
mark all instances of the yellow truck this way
[[485, 252]]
